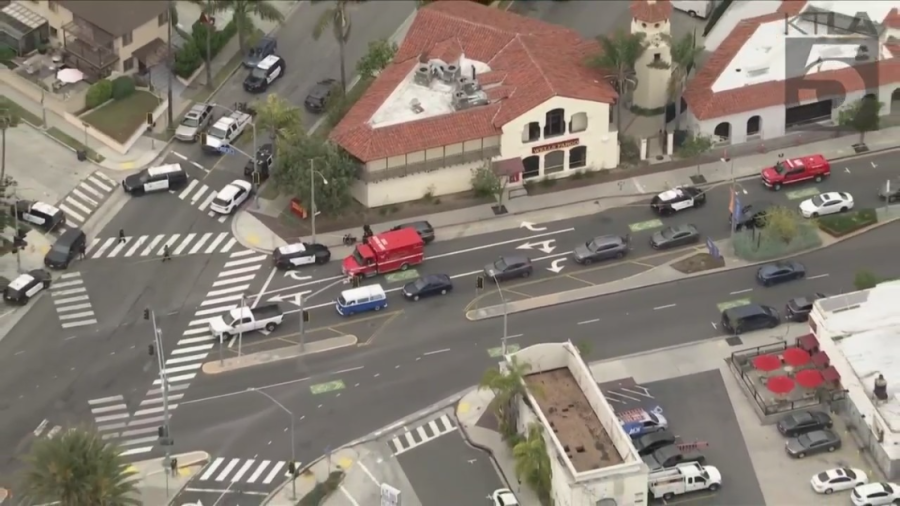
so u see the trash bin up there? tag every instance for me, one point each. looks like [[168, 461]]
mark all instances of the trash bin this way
[[81, 154]]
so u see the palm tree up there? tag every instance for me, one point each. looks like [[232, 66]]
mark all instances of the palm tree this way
[[507, 386], [208, 8], [685, 53], [243, 12], [78, 468], [618, 55], [338, 19], [532, 461], [280, 119]]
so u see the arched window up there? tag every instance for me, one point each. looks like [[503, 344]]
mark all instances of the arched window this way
[[555, 123], [531, 167], [723, 131], [554, 161], [753, 125], [578, 157]]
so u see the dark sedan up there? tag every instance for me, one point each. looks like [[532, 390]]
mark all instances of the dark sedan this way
[[317, 100], [509, 267], [817, 441], [780, 272], [672, 237], [794, 424], [649, 443], [605, 247], [426, 286], [423, 228], [798, 308]]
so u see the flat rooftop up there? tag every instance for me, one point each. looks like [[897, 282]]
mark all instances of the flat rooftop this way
[[871, 323], [564, 405], [764, 57]]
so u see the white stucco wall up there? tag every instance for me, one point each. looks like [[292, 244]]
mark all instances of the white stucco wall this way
[[652, 82], [737, 12], [453, 179]]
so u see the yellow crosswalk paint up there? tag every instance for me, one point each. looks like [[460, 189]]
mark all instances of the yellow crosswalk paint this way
[[345, 463]]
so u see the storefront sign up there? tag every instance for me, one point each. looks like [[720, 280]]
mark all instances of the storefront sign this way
[[556, 145]]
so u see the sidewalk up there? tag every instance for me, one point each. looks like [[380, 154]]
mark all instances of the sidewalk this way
[[157, 486], [575, 202], [290, 493]]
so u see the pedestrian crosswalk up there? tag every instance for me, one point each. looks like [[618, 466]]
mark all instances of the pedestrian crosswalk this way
[[136, 432], [85, 199], [153, 245], [251, 471], [73, 305], [200, 196], [422, 434]]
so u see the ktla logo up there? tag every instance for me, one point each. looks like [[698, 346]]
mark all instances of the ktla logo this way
[[818, 41]]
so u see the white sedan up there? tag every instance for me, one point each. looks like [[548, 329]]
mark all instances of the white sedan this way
[[231, 197], [875, 494], [826, 203], [504, 497], [838, 479]]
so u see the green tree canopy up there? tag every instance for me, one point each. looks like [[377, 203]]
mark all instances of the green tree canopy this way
[[278, 117], [78, 468], [864, 115], [293, 176], [617, 57], [380, 54], [336, 17], [532, 461], [243, 13]]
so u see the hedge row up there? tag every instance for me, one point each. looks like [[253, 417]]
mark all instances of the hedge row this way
[[105, 90], [838, 225], [192, 54]]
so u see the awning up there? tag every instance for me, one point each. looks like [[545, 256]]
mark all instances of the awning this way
[[808, 342], [508, 167], [821, 360], [153, 53], [831, 375]]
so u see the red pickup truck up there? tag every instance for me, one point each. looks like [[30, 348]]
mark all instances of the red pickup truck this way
[[385, 252], [796, 170]]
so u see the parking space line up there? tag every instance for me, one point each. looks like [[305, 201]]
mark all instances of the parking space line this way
[[595, 320], [576, 278], [741, 291], [520, 294], [348, 496]]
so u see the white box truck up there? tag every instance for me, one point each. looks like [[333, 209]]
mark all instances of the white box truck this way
[[683, 478]]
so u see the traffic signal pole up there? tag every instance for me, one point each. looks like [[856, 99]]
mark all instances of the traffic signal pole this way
[[165, 435]]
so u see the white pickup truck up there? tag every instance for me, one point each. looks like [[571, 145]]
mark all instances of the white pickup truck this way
[[244, 319], [226, 130], [683, 478]]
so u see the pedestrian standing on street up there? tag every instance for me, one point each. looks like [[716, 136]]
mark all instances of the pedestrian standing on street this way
[[121, 235], [82, 250], [166, 254], [173, 463]]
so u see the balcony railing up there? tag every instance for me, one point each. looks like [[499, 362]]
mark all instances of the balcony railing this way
[[89, 33], [374, 176], [97, 57]]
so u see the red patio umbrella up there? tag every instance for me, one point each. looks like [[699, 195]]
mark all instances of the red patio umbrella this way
[[780, 385], [809, 378], [766, 363], [796, 357]]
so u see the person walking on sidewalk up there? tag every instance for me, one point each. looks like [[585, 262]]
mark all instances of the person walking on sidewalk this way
[[166, 254], [173, 463], [121, 235]]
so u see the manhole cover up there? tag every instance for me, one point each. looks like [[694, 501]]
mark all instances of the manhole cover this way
[[734, 341], [698, 179]]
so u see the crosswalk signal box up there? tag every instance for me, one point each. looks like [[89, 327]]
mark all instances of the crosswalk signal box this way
[[354, 281], [479, 282], [305, 316]]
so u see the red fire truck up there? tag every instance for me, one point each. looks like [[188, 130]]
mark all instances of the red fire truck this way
[[385, 252], [796, 170]]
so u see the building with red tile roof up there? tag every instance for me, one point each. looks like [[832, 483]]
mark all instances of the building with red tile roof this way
[[472, 84], [794, 67]]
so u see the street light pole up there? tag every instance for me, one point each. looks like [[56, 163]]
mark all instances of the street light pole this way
[[165, 434], [301, 301], [312, 195], [291, 414], [505, 317]]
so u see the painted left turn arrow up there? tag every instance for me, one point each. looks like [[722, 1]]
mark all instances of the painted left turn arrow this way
[[556, 265], [296, 275], [293, 298]]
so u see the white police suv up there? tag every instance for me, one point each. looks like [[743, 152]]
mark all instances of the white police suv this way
[[41, 215], [26, 286], [677, 199]]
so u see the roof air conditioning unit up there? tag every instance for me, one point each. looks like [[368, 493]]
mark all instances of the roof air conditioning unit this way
[[478, 98], [451, 74], [438, 67], [423, 75], [460, 100], [472, 87], [462, 82]]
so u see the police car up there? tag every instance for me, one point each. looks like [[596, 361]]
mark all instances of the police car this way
[[155, 179], [292, 256], [26, 286], [41, 215], [677, 199], [265, 73], [231, 197]]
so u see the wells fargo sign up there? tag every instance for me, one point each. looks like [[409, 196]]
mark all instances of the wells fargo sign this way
[[556, 145]]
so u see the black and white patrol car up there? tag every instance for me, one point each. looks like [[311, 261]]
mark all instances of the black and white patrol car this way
[[265, 73], [154, 179], [677, 199], [41, 215], [297, 255], [26, 286]]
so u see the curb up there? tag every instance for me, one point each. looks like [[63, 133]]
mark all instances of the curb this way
[[485, 449], [226, 368], [240, 239], [689, 276]]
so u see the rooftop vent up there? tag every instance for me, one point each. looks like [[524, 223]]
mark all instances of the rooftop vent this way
[[450, 74], [462, 100], [416, 106], [423, 75], [880, 389]]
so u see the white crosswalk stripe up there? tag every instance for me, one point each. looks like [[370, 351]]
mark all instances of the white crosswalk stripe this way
[[133, 427], [145, 245], [422, 434], [84, 200], [201, 196], [73, 305], [236, 470]]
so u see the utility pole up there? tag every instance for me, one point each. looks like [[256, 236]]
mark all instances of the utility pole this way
[[165, 435], [302, 324], [505, 317], [312, 193], [169, 65]]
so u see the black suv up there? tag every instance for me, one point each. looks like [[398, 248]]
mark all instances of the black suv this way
[[263, 48], [752, 216], [736, 320], [423, 228], [264, 162], [317, 100], [798, 308]]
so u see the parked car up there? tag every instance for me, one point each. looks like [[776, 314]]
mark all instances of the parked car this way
[[838, 479], [875, 494], [749, 317], [752, 215], [649, 443], [509, 267], [794, 424], [890, 191], [318, 97], [428, 285], [194, 122], [423, 228], [826, 203], [798, 308], [504, 497], [604, 247], [672, 237], [811, 443], [780, 272], [263, 164], [672, 455], [265, 47]]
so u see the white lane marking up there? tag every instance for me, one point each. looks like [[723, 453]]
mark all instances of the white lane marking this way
[[91, 189], [818, 277], [107, 409], [179, 155], [242, 279], [212, 469], [99, 252], [216, 310], [259, 470], [222, 218], [79, 205], [199, 194], [76, 307], [192, 349], [595, 320], [199, 244], [219, 300], [181, 360], [436, 352], [225, 291], [509, 337], [741, 291], [238, 254], [72, 214], [207, 202], [263, 288], [104, 400], [65, 284], [137, 451], [137, 244], [212, 246], [70, 275], [243, 470], [273, 473], [84, 197], [78, 324], [175, 379], [667, 306], [105, 178], [119, 247], [153, 243], [191, 340], [99, 183], [184, 193], [348, 496], [245, 261], [69, 292], [182, 368], [184, 243], [168, 243], [200, 321], [230, 244], [493, 245]]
